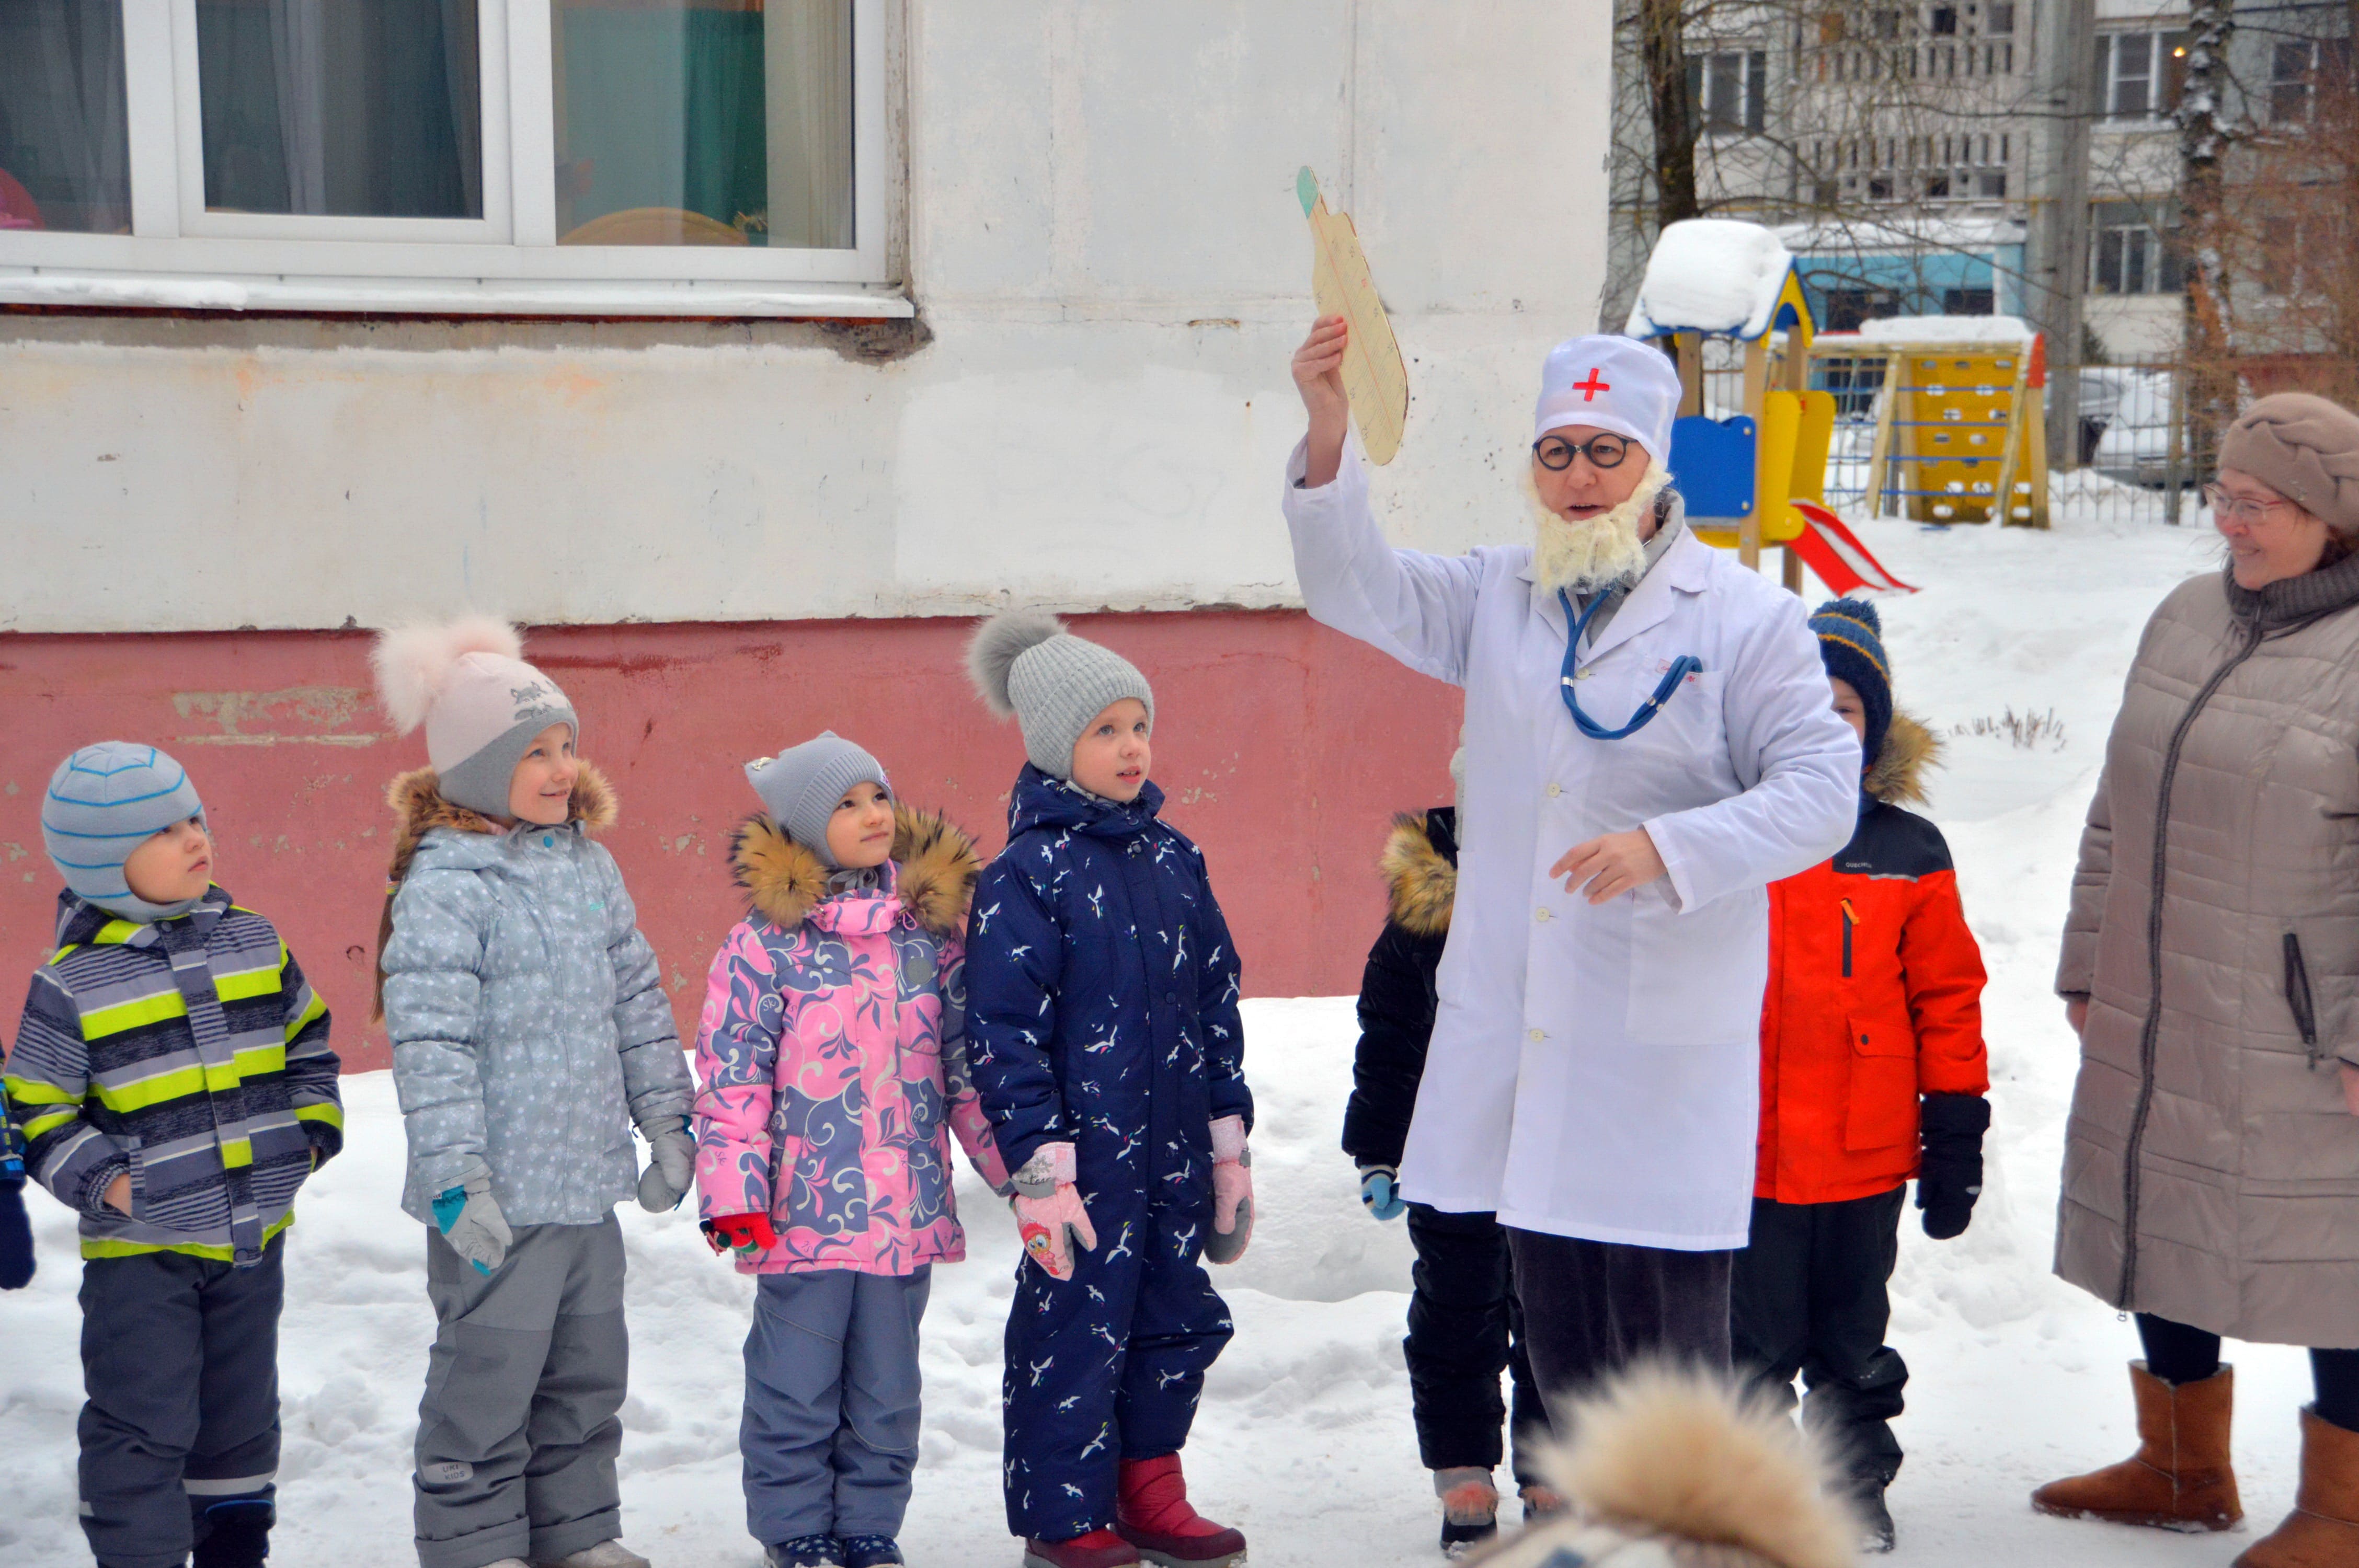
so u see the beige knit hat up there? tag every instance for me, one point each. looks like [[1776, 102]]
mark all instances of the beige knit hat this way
[[2307, 449]]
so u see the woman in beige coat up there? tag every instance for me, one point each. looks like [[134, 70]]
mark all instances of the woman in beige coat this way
[[2211, 967]]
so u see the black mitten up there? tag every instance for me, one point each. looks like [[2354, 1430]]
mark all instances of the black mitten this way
[[1951, 1177], [16, 1238]]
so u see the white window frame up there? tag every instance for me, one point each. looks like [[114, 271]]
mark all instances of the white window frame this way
[[506, 261]]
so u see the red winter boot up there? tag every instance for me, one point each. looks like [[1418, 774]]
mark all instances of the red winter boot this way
[[1152, 1512], [1101, 1548]]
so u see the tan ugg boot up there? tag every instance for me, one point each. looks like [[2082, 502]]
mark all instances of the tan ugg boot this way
[[2323, 1531], [2179, 1478]]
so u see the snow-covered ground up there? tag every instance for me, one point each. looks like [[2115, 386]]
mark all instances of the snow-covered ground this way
[[1304, 1440]]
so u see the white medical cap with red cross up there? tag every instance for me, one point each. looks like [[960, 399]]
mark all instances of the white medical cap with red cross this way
[[1613, 383]]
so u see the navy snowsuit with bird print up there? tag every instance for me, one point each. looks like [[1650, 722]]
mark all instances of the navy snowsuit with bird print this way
[[1102, 992]]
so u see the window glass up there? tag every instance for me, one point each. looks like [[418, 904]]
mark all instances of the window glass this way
[[64, 152], [2290, 81], [704, 122], [342, 108], [2133, 66]]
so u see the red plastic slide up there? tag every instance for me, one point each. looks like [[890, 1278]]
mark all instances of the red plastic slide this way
[[1834, 552]]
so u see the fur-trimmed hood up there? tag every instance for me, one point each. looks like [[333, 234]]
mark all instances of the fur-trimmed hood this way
[[1898, 777], [419, 807], [935, 867], [1675, 1463], [1422, 873]]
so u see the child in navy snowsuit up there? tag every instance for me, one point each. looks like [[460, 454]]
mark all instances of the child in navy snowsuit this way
[[1105, 1044]]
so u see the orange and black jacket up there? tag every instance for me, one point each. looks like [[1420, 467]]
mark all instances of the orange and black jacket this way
[[1874, 1000]]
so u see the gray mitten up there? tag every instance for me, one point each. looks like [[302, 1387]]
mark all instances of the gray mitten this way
[[470, 1221], [671, 1165]]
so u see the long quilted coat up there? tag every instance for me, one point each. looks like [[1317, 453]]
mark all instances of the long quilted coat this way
[[2211, 1170], [834, 1056], [1103, 992]]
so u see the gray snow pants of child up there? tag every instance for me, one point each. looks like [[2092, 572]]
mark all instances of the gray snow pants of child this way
[[180, 1357], [829, 1433], [518, 1431], [1591, 1308]]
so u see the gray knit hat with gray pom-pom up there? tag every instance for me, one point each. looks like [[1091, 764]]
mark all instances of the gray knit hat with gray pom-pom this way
[[1025, 664]]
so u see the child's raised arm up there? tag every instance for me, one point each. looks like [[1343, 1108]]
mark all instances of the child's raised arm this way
[[1015, 955]]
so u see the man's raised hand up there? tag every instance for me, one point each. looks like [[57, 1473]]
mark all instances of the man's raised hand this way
[[1318, 377]]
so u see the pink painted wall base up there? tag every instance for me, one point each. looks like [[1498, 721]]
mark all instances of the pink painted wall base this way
[[1283, 747]]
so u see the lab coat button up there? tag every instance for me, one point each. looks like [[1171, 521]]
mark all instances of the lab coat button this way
[[1555, 790], [1541, 914], [1538, 1034]]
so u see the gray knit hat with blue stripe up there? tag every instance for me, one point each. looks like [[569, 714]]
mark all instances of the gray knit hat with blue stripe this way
[[802, 785], [1028, 665], [105, 801]]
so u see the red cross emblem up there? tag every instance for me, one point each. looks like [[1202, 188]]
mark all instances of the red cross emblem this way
[[1590, 389]]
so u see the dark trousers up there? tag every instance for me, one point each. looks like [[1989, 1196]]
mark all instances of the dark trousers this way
[[830, 1432], [1809, 1296], [1591, 1308], [2178, 1353], [1465, 1327], [1108, 1365], [180, 1438]]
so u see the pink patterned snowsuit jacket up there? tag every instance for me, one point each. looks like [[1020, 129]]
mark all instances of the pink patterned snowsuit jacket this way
[[833, 1059]]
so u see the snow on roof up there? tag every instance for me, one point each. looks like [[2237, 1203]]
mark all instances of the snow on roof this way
[[1710, 275], [1947, 330]]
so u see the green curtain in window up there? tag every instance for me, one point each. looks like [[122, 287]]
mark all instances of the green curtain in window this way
[[664, 109]]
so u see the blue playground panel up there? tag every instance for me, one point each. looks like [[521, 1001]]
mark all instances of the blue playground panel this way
[[1713, 460]]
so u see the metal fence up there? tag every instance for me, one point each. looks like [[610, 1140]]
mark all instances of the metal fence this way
[[2133, 465]]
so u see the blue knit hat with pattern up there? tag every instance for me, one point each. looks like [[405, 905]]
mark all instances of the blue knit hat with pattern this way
[[103, 802], [1851, 642]]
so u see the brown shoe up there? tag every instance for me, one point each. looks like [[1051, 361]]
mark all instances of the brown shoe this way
[[2323, 1531], [2179, 1478]]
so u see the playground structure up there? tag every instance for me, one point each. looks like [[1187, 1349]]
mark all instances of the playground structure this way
[[1960, 415], [1757, 477]]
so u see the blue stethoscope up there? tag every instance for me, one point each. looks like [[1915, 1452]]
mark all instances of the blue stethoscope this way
[[1686, 665]]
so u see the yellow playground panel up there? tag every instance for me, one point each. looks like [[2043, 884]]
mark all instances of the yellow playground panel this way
[[1957, 426]]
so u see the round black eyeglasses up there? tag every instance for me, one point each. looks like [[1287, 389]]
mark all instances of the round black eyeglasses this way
[[1556, 454]]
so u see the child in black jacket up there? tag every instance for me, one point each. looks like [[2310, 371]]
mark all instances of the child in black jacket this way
[[1463, 1323]]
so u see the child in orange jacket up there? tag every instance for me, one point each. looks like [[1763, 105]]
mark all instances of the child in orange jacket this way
[[1872, 1071]]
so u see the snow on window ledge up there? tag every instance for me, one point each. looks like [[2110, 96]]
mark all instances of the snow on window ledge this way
[[445, 297]]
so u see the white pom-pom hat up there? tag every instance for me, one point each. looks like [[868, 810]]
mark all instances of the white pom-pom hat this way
[[482, 705]]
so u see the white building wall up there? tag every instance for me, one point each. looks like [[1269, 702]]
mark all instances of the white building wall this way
[[1104, 245]]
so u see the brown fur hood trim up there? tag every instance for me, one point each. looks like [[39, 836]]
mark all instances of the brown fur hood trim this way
[[1678, 1457], [783, 880], [419, 807], [1423, 880], [1898, 777]]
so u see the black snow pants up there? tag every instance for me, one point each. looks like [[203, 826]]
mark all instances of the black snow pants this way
[[1464, 1328], [1809, 1296], [1591, 1308], [180, 1438]]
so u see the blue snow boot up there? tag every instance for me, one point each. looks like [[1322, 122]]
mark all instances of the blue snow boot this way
[[870, 1552], [805, 1551]]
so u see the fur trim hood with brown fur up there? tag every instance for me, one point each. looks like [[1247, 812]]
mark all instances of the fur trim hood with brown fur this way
[[1678, 1464], [1423, 880], [783, 881], [1909, 749]]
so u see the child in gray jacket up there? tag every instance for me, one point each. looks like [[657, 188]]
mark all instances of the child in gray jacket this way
[[529, 1028]]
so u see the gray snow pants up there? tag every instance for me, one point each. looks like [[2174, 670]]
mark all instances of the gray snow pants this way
[[180, 1438], [1591, 1308], [518, 1430], [830, 1432]]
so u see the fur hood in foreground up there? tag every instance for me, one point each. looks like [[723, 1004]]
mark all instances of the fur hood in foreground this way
[[418, 809], [935, 865], [1898, 777], [1423, 880], [1676, 1467]]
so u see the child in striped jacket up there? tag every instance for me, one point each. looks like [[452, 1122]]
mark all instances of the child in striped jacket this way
[[173, 1086]]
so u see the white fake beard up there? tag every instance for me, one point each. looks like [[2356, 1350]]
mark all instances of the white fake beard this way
[[1600, 552]]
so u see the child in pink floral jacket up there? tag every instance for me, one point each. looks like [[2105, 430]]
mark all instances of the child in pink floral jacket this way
[[833, 1059]]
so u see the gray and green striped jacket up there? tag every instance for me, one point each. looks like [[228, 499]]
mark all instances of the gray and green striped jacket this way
[[191, 1055]]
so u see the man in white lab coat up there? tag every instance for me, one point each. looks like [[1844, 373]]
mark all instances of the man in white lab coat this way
[[1594, 1068]]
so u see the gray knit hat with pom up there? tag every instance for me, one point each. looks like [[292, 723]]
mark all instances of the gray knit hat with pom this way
[[1025, 664], [803, 785]]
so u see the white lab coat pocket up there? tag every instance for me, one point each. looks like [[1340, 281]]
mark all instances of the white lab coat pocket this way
[[1693, 978]]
